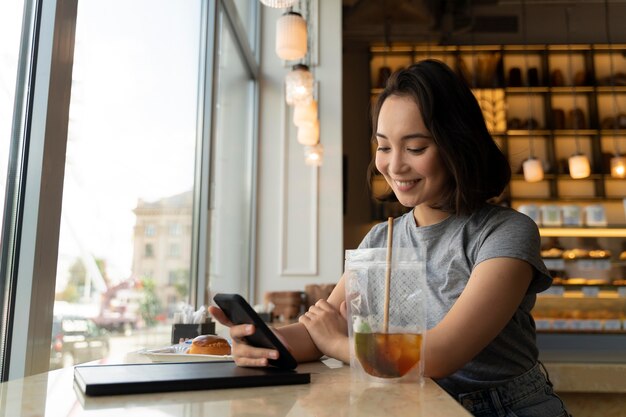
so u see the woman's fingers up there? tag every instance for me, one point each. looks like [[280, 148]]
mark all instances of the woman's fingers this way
[[246, 355], [319, 308], [219, 315], [239, 332], [243, 353]]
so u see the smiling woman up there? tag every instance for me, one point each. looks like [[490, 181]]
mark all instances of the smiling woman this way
[[483, 261]]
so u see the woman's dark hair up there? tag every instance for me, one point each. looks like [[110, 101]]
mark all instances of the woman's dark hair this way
[[478, 169]]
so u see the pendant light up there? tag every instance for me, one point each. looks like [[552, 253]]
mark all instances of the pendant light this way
[[314, 155], [579, 166], [578, 163], [291, 36], [309, 134], [532, 167], [299, 85], [618, 162], [304, 114], [618, 166], [278, 4]]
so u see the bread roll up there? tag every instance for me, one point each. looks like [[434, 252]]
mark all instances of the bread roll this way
[[209, 344]]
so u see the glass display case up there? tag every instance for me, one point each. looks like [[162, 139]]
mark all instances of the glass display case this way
[[582, 316]]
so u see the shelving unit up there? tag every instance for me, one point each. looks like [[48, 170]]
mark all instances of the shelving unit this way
[[532, 93]]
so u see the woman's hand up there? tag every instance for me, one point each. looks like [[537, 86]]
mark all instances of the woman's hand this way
[[328, 327], [242, 352]]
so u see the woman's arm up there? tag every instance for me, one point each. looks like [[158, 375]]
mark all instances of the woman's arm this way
[[492, 295]]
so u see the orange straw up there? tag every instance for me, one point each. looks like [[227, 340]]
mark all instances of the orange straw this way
[[388, 273]]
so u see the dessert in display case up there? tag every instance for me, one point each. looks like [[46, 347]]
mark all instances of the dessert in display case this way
[[582, 316]]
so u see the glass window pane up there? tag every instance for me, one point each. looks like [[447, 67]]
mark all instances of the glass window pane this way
[[247, 14], [231, 171], [10, 31], [125, 239]]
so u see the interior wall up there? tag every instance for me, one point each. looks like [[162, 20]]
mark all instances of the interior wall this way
[[299, 225]]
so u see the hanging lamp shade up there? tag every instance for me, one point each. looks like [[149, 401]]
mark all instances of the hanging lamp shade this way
[[533, 170], [579, 166], [305, 114], [309, 135], [299, 85], [291, 36], [278, 4], [618, 166], [314, 155]]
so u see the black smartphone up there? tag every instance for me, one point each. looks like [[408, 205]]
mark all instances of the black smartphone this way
[[239, 311]]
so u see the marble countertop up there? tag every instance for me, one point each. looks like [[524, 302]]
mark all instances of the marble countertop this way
[[332, 392]]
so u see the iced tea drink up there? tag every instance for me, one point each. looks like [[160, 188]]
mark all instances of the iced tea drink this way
[[387, 355]]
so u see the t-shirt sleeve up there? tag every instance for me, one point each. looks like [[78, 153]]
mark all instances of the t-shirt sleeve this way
[[514, 235]]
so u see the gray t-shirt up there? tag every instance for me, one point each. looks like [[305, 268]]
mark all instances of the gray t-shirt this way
[[453, 248]]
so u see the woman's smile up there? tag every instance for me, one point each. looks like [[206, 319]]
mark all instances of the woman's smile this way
[[405, 185]]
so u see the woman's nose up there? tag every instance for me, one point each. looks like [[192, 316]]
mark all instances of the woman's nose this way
[[397, 164]]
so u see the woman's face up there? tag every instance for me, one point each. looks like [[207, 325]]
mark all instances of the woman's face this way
[[407, 155]]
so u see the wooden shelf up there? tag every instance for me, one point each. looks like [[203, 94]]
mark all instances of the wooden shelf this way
[[583, 232]]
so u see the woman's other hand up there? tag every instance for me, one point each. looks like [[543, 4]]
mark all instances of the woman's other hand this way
[[243, 353], [328, 327]]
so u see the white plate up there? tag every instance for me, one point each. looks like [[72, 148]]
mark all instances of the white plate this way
[[178, 353]]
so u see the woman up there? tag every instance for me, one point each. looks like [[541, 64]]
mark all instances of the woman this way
[[483, 267]]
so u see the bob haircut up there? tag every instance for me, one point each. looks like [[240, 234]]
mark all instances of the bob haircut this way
[[478, 169]]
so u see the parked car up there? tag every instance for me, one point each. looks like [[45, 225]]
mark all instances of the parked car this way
[[76, 340]]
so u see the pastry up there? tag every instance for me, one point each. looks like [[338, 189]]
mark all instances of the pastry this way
[[600, 254], [552, 253], [209, 344], [575, 254]]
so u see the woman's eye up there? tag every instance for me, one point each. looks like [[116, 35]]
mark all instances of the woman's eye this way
[[382, 149], [417, 150]]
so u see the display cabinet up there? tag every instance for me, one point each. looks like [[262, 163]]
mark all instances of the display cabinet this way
[[582, 316]]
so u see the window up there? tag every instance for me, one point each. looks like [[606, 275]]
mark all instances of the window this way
[[133, 107], [10, 29], [148, 251], [175, 229], [233, 163], [150, 230], [173, 250], [13, 85], [142, 98]]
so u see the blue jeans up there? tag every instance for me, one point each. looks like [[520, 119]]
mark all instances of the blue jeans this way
[[527, 395]]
